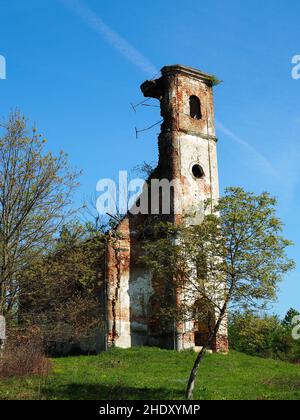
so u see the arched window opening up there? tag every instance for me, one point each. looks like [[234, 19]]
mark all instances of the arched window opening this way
[[195, 108]]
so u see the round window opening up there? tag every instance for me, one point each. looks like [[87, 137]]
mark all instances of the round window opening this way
[[198, 171]]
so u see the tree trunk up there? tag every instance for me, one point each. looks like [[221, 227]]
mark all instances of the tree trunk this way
[[191, 383], [192, 380]]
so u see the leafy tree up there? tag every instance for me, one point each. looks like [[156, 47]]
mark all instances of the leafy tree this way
[[264, 335], [288, 319], [35, 196], [256, 335], [61, 291], [234, 258]]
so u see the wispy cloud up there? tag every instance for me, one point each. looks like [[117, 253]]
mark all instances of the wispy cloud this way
[[120, 44], [261, 159]]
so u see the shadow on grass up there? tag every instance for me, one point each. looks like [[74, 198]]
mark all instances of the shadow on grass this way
[[109, 392]]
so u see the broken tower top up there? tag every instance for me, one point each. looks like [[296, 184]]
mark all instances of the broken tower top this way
[[153, 88]]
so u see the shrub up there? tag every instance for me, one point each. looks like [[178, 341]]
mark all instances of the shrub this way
[[24, 354], [264, 335]]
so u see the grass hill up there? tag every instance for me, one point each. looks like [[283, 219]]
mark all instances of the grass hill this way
[[150, 373]]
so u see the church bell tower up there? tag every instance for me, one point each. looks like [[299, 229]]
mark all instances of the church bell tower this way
[[187, 143], [187, 155]]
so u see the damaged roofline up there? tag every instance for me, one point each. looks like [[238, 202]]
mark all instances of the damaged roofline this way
[[191, 72], [154, 88]]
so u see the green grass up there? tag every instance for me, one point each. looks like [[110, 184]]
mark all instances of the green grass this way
[[149, 373]]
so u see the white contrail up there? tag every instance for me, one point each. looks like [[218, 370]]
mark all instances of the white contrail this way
[[117, 41], [264, 161]]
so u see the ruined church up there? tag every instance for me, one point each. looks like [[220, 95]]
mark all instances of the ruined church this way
[[187, 148]]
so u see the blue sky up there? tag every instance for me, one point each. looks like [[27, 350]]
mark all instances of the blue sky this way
[[76, 79]]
